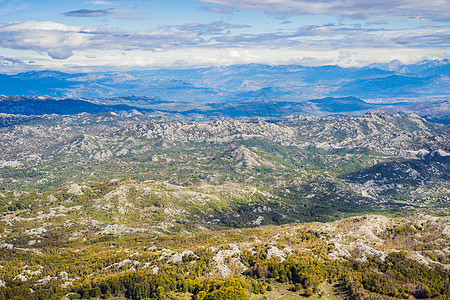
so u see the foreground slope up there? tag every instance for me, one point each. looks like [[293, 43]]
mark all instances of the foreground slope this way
[[357, 258]]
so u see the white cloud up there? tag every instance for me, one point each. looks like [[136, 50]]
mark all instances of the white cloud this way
[[218, 9], [194, 57], [213, 43], [438, 10], [99, 2], [59, 40]]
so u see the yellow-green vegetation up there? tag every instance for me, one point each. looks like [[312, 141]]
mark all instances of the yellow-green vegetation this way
[[361, 256]]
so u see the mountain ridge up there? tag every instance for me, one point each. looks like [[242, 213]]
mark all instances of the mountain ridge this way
[[226, 83], [260, 106]]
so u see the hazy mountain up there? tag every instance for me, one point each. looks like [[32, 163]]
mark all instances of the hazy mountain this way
[[438, 111], [260, 105], [46, 105], [230, 83], [393, 86], [423, 68]]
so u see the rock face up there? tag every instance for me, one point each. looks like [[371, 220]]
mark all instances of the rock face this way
[[75, 189], [243, 156]]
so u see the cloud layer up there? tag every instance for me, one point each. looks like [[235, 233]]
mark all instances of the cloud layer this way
[[437, 10], [129, 32], [59, 40]]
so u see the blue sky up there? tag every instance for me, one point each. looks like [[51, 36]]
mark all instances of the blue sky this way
[[90, 35]]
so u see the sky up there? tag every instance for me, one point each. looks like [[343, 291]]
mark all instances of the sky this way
[[104, 35]]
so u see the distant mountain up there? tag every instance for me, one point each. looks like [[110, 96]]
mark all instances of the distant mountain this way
[[263, 106], [291, 83], [47, 105], [435, 111], [388, 86], [348, 104], [423, 68], [260, 105]]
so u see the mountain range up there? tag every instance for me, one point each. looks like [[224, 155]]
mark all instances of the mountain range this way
[[293, 83], [17, 107]]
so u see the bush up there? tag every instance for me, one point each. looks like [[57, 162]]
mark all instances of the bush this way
[[308, 292]]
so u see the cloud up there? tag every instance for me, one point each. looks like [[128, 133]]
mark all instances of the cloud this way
[[88, 13], [436, 10], [237, 26], [99, 13], [100, 2], [331, 37], [9, 65], [61, 41], [213, 28], [377, 22], [60, 53], [218, 9], [330, 30], [9, 61]]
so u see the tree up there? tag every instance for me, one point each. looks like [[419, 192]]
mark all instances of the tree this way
[[95, 292], [160, 293]]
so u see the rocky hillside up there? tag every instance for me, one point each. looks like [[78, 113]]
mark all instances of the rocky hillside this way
[[359, 153]]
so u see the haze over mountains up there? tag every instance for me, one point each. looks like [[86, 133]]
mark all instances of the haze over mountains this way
[[235, 82], [251, 90]]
